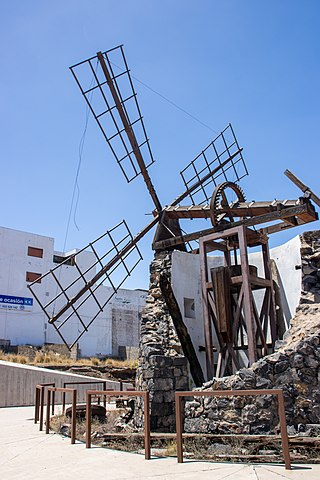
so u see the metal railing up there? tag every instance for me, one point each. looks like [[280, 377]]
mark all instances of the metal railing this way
[[144, 395], [39, 406], [73, 391], [89, 382], [39, 402], [232, 393]]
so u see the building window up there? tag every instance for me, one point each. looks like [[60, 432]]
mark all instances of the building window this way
[[33, 277], [35, 252], [65, 260], [189, 311]]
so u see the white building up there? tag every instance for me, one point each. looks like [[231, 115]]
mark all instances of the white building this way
[[24, 257]]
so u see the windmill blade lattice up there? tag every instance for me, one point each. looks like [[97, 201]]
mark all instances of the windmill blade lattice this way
[[220, 161], [86, 281], [99, 78]]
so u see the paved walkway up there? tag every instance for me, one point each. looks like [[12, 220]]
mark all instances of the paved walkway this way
[[27, 454]]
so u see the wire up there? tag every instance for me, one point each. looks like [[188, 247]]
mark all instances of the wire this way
[[76, 187], [169, 101], [81, 146]]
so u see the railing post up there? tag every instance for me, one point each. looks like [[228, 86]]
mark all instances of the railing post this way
[[104, 386], [64, 400], [41, 408], [283, 431], [179, 428], [88, 421], [36, 405], [74, 416], [146, 426], [53, 401], [48, 411]]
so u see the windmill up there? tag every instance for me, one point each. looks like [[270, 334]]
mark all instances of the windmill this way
[[106, 84]]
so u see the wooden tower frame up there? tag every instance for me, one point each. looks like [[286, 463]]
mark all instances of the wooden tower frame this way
[[243, 332]]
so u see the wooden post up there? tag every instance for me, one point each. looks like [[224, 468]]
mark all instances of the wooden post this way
[[247, 296], [206, 316], [272, 306]]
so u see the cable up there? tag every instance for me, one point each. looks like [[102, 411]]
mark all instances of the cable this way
[[76, 187], [76, 184], [169, 101]]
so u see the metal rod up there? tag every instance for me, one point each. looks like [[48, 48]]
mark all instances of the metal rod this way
[[48, 411], [41, 408], [201, 181], [36, 405], [283, 431], [231, 393], [131, 393], [146, 426], [109, 265], [88, 420], [179, 428], [74, 416]]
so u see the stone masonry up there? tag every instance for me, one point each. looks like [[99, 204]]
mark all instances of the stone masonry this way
[[294, 368], [162, 368]]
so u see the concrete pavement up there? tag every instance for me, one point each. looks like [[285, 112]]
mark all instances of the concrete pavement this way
[[27, 454]]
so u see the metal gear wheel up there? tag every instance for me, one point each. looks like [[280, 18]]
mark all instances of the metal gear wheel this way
[[220, 200]]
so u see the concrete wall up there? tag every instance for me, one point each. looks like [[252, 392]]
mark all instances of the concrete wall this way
[[18, 383], [28, 324], [187, 287], [126, 320]]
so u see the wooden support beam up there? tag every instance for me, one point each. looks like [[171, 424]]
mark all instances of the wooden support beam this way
[[299, 210], [302, 186], [247, 298], [206, 316], [182, 331]]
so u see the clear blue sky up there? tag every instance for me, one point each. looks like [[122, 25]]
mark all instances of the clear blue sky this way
[[252, 63]]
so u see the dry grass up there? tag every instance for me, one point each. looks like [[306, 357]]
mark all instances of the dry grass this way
[[171, 449], [61, 424], [42, 358], [12, 357], [112, 362]]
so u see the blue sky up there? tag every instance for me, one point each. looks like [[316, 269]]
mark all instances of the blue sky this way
[[252, 63]]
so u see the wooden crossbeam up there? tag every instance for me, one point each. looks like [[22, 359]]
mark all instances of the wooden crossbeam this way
[[239, 209], [304, 212]]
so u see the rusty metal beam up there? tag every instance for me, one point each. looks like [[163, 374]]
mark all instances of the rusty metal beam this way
[[230, 393]]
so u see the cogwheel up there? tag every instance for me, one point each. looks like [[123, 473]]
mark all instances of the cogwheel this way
[[219, 200]]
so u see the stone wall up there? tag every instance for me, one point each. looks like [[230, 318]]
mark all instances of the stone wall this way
[[294, 368], [162, 368]]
